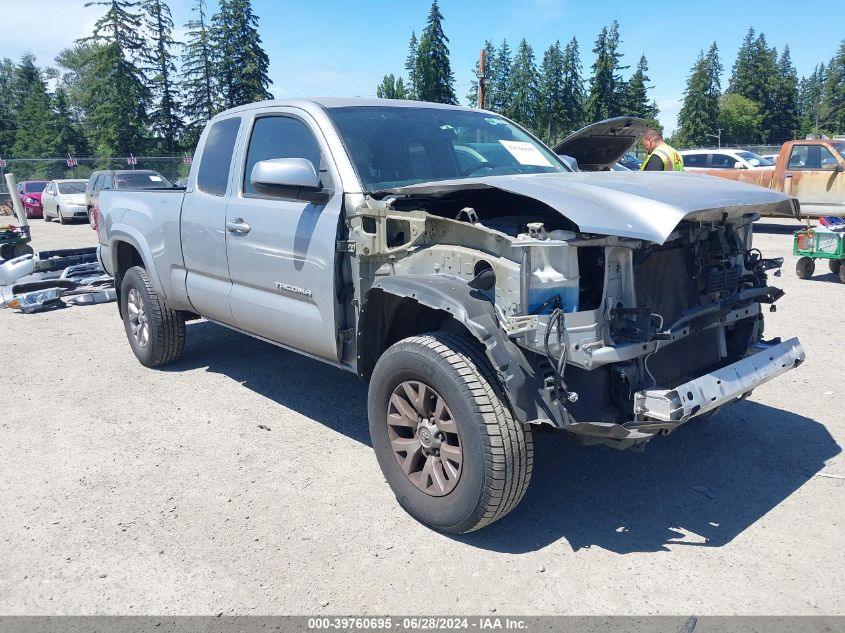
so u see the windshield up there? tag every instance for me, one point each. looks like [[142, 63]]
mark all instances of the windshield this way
[[71, 188], [35, 187], [754, 159], [839, 146], [396, 146], [141, 180]]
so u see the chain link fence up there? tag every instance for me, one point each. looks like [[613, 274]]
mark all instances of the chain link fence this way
[[171, 167]]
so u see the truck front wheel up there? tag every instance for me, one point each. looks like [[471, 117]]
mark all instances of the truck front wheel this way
[[155, 332], [446, 442]]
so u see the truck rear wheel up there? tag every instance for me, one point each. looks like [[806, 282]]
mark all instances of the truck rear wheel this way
[[155, 332], [446, 442]]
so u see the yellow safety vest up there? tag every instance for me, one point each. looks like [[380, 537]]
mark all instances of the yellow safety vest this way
[[672, 160]]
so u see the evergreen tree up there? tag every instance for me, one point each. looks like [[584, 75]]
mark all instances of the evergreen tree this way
[[391, 88], [742, 76], [117, 96], [489, 78], [572, 114], [165, 121], [435, 81], [810, 98], [66, 132], [755, 76], [551, 109], [7, 111], [636, 101], [785, 120], [500, 91], [197, 74], [833, 108], [698, 118], [606, 84], [524, 101], [33, 116], [411, 67], [241, 64]]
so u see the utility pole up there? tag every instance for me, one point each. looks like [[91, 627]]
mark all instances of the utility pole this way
[[482, 78], [717, 136]]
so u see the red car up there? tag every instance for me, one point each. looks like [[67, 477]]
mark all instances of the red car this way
[[30, 194]]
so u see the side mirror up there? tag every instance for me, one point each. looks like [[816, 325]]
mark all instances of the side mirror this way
[[288, 177], [569, 161], [738, 165], [835, 167]]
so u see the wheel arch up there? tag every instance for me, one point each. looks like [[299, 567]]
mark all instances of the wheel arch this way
[[402, 306], [126, 251]]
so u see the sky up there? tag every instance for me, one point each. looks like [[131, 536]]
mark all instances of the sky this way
[[343, 48]]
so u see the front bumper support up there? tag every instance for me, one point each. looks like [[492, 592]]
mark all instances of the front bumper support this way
[[720, 387]]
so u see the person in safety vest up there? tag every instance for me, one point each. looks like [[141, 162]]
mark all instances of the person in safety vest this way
[[661, 157]]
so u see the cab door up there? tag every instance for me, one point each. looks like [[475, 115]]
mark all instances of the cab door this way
[[203, 223], [281, 247], [815, 176]]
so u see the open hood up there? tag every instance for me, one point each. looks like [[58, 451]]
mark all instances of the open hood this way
[[600, 145], [642, 205]]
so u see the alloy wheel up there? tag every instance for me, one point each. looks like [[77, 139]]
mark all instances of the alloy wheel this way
[[137, 314], [424, 438]]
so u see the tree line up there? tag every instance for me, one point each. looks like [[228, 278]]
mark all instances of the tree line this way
[[765, 102], [551, 98], [129, 87]]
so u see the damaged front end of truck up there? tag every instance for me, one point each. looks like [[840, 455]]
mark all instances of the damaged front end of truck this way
[[616, 307]]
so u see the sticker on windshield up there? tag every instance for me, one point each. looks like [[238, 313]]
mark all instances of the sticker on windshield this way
[[525, 153], [155, 178]]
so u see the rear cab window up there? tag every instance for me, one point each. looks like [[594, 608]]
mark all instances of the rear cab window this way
[[216, 159], [810, 157]]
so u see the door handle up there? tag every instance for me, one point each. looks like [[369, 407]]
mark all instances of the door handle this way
[[238, 226]]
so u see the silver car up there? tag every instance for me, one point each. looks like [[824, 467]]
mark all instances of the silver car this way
[[64, 200]]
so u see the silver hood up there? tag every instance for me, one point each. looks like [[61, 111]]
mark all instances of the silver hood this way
[[642, 205]]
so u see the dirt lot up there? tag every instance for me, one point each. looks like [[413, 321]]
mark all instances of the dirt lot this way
[[127, 490]]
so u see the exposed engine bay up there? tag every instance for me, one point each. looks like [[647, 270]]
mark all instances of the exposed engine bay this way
[[616, 337]]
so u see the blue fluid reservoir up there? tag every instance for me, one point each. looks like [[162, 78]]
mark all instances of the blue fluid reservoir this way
[[554, 272]]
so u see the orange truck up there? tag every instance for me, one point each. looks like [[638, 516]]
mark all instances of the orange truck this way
[[813, 171]]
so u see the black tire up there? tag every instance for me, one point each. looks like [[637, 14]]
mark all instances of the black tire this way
[[805, 268], [60, 217], [45, 217], [842, 274], [498, 451], [11, 251], [165, 338], [835, 265]]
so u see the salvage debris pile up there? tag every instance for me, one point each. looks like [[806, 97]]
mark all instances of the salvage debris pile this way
[[50, 280]]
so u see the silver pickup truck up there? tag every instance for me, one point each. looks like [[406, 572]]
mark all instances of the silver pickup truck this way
[[459, 267]]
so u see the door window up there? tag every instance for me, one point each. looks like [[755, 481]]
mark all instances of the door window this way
[[216, 160], [810, 157], [723, 161], [279, 137], [695, 160]]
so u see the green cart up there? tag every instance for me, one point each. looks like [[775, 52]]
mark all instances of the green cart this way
[[811, 244]]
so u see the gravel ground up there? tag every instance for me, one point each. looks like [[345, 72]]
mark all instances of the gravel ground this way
[[128, 491]]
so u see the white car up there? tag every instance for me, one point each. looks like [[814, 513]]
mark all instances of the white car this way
[[64, 200], [699, 159]]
